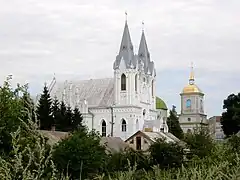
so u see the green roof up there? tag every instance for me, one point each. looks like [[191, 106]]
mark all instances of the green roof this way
[[160, 104]]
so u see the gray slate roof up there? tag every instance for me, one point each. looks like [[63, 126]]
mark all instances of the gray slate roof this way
[[97, 92], [113, 144]]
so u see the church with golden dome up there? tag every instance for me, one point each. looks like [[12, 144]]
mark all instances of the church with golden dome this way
[[192, 106]]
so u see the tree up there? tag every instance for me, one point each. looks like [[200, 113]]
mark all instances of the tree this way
[[56, 111], [80, 153], [166, 154], [77, 119], [24, 152], [11, 111], [231, 117], [61, 123], [173, 124], [69, 119], [199, 142], [44, 111]]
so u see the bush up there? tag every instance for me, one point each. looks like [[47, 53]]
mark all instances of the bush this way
[[166, 154], [80, 154]]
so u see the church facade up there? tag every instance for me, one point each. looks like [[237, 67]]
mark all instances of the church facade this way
[[192, 106], [124, 104]]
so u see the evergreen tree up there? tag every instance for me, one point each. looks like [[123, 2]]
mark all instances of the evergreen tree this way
[[69, 119], [173, 124], [61, 121], [44, 112], [77, 119], [55, 111]]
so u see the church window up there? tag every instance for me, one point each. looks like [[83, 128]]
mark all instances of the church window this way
[[124, 47], [144, 79], [124, 126], [104, 129], [201, 105], [152, 87], [136, 83], [123, 82], [188, 103], [189, 119], [144, 112], [137, 125]]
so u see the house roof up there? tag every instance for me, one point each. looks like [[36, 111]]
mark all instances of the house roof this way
[[153, 136], [114, 144], [53, 136], [97, 92]]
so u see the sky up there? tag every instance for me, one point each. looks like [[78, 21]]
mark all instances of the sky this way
[[79, 39]]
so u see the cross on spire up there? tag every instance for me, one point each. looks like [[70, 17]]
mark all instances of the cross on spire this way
[[142, 25], [126, 16]]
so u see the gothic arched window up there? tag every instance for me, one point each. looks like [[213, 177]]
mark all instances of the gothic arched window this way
[[104, 129], [124, 125], [123, 82], [136, 83], [137, 125]]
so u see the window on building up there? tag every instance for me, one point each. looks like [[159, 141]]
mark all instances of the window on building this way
[[137, 125], [138, 143], [124, 126], [188, 103], [123, 82], [189, 119], [104, 129], [136, 83], [152, 88], [189, 131]]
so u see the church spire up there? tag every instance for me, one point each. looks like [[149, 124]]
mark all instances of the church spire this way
[[191, 78], [126, 54], [126, 44], [143, 52]]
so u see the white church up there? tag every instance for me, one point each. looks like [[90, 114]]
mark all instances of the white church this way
[[122, 105]]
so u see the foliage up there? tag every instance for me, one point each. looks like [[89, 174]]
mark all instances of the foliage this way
[[44, 112], [11, 107], [231, 118], [173, 124], [122, 161], [166, 154], [77, 119], [29, 155], [80, 153], [199, 142]]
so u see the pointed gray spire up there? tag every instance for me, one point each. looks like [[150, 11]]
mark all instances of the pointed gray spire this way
[[143, 52], [126, 49]]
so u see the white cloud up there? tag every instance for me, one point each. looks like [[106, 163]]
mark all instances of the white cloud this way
[[80, 39]]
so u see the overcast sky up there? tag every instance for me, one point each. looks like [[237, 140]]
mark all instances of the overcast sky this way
[[81, 38]]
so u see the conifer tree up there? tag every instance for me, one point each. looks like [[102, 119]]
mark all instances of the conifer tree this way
[[61, 121], [69, 119], [55, 111], [77, 119], [44, 111], [173, 124]]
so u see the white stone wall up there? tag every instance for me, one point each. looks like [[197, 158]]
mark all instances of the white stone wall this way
[[132, 116]]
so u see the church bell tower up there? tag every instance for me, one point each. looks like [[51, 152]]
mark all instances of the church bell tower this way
[[192, 106]]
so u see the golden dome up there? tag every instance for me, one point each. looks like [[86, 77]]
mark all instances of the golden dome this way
[[191, 88]]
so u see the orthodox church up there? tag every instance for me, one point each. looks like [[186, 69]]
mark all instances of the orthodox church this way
[[192, 106], [122, 105]]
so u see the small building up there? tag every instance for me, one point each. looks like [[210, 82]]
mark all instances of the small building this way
[[215, 128], [142, 140]]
